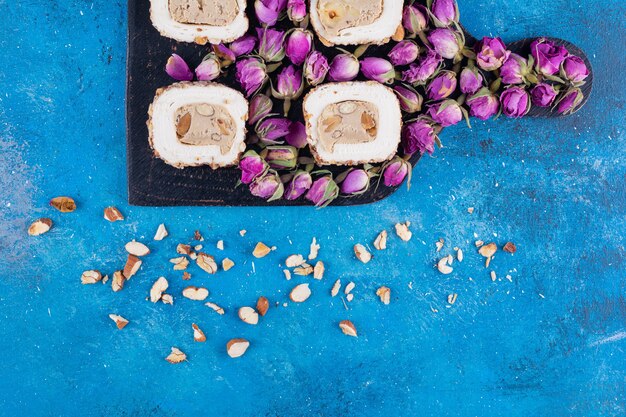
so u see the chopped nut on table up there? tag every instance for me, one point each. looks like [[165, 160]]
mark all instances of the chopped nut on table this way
[[120, 321], [195, 293], [261, 250], [362, 254], [248, 315], [443, 265], [380, 243], [112, 214], [137, 248], [133, 264], [318, 270], [384, 293], [206, 263], [510, 247], [161, 232], [219, 310], [198, 335], [237, 347], [348, 328], [63, 204], [227, 264], [117, 284], [90, 277], [176, 356], [336, 287], [294, 260], [300, 293], [262, 305], [40, 226], [403, 232], [180, 263], [158, 288], [313, 250]]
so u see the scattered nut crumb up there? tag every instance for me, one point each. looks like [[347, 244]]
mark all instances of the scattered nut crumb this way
[[198, 335], [105, 279], [227, 264], [167, 299], [206, 262], [443, 266], [261, 250], [452, 298], [63, 204], [120, 321], [294, 260], [362, 254], [488, 250], [303, 270], [112, 214], [137, 248], [336, 287], [183, 249], [180, 263], [403, 232], [300, 293], [237, 347], [219, 310], [177, 356], [158, 288], [195, 293], [243, 232], [117, 284], [318, 270], [220, 244], [348, 328], [380, 243], [493, 275], [314, 250], [132, 265], [459, 255], [197, 235], [262, 305], [470, 210], [161, 232], [90, 277], [350, 297], [186, 276], [287, 274], [349, 287], [439, 244], [479, 243], [40, 226], [198, 248], [510, 247], [248, 315], [384, 293]]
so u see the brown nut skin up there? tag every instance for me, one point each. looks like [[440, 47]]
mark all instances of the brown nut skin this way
[[262, 305]]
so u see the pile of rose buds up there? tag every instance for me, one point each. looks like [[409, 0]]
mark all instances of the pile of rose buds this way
[[438, 78]]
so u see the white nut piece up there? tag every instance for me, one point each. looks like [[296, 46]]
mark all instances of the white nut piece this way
[[248, 315], [300, 293]]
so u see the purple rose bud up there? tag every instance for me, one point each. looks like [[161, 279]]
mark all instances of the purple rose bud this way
[[446, 113], [378, 69], [296, 10], [471, 80], [515, 102], [251, 166], [491, 53], [298, 45], [574, 69], [271, 44], [410, 100], [178, 69], [289, 83], [272, 129], [243, 45], [225, 55], [404, 53], [419, 73], [543, 95], [268, 11], [356, 182], [446, 11], [260, 106], [570, 101], [446, 42], [395, 172], [418, 136], [514, 70], [251, 75], [414, 19], [323, 191], [548, 56], [442, 86], [280, 157], [209, 68], [297, 135], [268, 187], [315, 68], [343, 67], [483, 105], [299, 184]]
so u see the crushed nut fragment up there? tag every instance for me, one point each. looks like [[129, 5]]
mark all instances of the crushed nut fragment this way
[[510, 247], [493, 276], [158, 288], [40, 226], [237, 347], [439, 244], [167, 299], [180, 263], [161, 232], [219, 310], [176, 356], [198, 335], [380, 243], [287, 274], [206, 262], [105, 279], [348, 328], [488, 250], [220, 244], [117, 284], [470, 210], [459, 255], [120, 321], [403, 232], [196, 293], [443, 266], [318, 270], [479, 243], [112, 214], [384, 293], [349, 287], [294, 260], [350, 297], [63, 204], [137, 248], [90, 277], [362, 254], [132, 265], [261, 250], [336, 287], [197, 235], [248, 315], [314, 249], [300, 293], [452, 298], [183, 249], [243, 232], [186, 276], [227, 264], [303, 270], [262, 305]]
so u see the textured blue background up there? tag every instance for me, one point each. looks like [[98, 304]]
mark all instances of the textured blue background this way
[[554, 187]]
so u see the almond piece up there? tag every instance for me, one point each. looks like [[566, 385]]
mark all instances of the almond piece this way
[[300, 293], [443, 266], [470, 210], [262, 305], [167, 299], [459, 255], [510, 247], [318, 270], [219, 310], [120, 321], [198, 236], [381, 241], [112, 214], [439, 244], [287, 274], [243, 232], [40, 226], [261, 250], [176, 356], [117, 283], [196, 293], [350, 297], [479, 243], [384, 293], [303, 270], [227, 264], [362, 254], [488, 250], [314, 249], [133, 264], [105, 279], [206, 262], [294, 260], [183, 249], [248, 315], [63, 204], [237, 347], [158, 288], [348, 328], [90, 277], [349, 287], [137, 248], [452, 298], [493, 276], [161, 232], [198, 335], [403, 232], [336, 287], [186, 276], [220, 244]]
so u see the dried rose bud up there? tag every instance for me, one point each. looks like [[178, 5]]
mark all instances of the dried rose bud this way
[[420, 73], [470, 80], [445, 11], [260, 106], [418, 136], [243, 45], [225, 55], [289, 83], [209, 69], [271, 44], [515, 102], [395, 171], [268, 11], [491, 53], [410, 100], [414, 18], [296, 10], [299, 184], [570, 101], [315, 68], [178, 69], [252, 166], [483, 105], [404, 53], [343, 67], [446, 113], [251, 74], [280, 157], [442, 86], [298, 45], [272, 129], [323, 191], [297, 135], [268, 186], [446, 42], [543, 95], [378, 69], [548, 56], [514, 70], [574, 69], [356, 182]]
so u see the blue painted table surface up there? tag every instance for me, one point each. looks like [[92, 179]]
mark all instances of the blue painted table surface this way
[[550, 343]]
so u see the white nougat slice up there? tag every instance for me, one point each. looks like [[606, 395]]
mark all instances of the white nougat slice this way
[[200, 123], [352, 123], [200, 21]]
